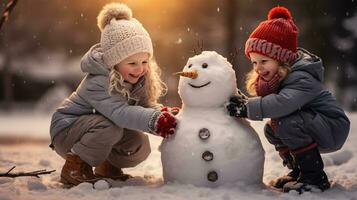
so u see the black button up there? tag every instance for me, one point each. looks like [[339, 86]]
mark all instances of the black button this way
[[212, 176], [204, 133], [207, 156]]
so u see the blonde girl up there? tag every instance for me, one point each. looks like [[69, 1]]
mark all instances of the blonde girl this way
[[101, 124], [286, 85]]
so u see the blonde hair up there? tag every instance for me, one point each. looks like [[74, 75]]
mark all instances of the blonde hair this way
[[252, 77], [154, 87]]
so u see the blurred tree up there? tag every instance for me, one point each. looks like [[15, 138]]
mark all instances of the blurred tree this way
[[39, 29], [344, 40], [7, 76]]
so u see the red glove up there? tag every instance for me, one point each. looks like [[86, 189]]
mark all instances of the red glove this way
[[172, 110], [264, 88], [165, 124]]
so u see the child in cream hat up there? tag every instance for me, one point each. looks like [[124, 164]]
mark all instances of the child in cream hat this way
[[101, 124]]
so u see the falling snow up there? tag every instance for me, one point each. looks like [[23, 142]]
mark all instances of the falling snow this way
[[178, 41]]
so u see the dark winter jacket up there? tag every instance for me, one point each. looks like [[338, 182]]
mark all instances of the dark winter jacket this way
[[92, 96], [303, 90]]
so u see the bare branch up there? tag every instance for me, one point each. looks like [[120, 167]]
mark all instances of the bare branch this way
[[200, 45], [10, 169], [5, 15], [199, 48], [36, 173]]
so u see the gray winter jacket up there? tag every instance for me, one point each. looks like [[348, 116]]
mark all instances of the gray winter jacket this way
[[303, 90], [92, 96]]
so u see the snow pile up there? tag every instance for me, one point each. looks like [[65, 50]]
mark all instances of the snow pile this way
[[339, 166], [25, 123], [36, 184], [101, 185]]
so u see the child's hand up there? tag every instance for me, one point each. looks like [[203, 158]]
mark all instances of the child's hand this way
[[172, 110], [165, 124], [236, 106]]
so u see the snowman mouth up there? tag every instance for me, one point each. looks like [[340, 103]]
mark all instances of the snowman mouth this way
[[199, 86]]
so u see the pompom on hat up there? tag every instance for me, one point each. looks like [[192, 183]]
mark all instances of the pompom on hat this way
[[122, 35], [275, 38]]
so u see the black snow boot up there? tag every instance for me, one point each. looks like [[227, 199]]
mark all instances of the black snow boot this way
[[312, 176], [288, 161]]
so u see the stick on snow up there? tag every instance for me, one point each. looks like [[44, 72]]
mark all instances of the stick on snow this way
[[33, 173]]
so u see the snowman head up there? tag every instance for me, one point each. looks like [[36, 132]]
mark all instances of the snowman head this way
[[207, 80]]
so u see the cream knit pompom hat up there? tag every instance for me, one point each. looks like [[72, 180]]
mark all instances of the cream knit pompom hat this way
[[122, 35]]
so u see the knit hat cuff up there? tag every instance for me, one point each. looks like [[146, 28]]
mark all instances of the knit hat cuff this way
[[270, 50], [126, 48]]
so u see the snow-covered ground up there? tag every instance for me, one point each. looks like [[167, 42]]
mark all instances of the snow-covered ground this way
[[340, 167]]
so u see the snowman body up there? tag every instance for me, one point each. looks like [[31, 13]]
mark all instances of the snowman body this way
[[210, 148]]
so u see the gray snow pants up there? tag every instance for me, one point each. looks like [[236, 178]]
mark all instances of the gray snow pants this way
[[94, 139], [291, 131]]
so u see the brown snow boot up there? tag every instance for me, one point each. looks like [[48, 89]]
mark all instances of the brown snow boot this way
[[76, 171], [107, 170], [281, 181], [288, 161]]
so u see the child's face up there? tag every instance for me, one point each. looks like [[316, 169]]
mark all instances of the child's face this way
[[266, 67], [133, 67]]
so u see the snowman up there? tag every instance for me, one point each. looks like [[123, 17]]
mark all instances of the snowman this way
[[210, 148]]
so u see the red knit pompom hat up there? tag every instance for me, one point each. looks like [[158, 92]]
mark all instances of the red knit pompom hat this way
[[275, 38]]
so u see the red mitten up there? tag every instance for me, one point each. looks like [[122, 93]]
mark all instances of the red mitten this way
[[263, 87], [165, 124], [172, 110]]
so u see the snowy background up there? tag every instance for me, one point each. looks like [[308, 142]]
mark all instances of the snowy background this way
[[29, 155], [40, 50]]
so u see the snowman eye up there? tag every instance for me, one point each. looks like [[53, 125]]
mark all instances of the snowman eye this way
[[190, 65], [204, 65]]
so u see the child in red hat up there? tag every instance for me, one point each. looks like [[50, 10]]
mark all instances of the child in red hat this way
[[286, 83]]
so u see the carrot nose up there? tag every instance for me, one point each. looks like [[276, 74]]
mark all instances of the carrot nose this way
[[189, 74]]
